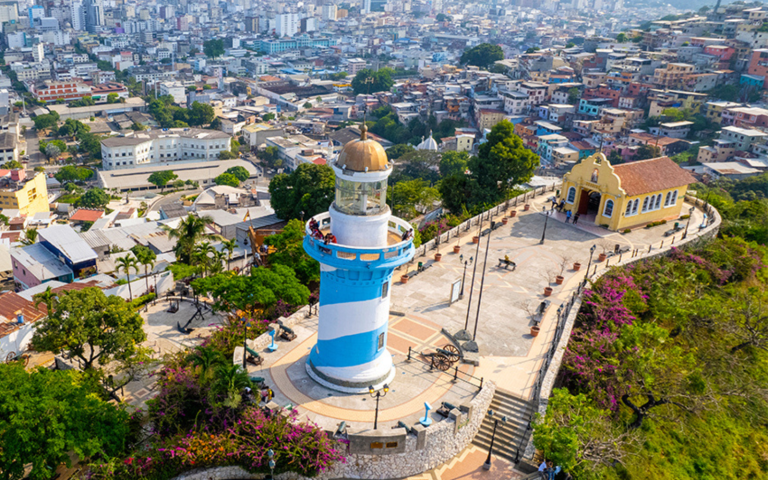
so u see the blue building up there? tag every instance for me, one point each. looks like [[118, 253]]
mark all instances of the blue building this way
[[296, 43], [70, 248], [752, 80], [356, 270]]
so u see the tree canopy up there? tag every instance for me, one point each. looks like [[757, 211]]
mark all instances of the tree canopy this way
[[45, 415], [483, 55], [94, 198], [88, 325], [289, 251], [48, 120], [405, 196], [453, 163], [213, 48], [248, 293], [396, 151], [309, 189], [162, 178], [73, 128], [71, 173], [381, 80], [227, 179], [239, 172]]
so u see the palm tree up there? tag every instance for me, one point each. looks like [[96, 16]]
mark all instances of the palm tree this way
[[47, 297], [202, 252], [191, 230], [30, 236], [229, 246], [230, 381], [126, 264], [146, 257], [206, 358], [218, 260]]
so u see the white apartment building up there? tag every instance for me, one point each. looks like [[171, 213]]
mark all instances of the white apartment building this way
[[155, 147], [176, 90], [330, 12], [287, 24]]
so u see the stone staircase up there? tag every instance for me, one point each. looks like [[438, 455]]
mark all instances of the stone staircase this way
[[510, 435]]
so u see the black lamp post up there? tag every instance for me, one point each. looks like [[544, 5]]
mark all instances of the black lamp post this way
[[690, 214], [474, 271], [487, 464], [546, 219], [245, 344], [377, 396], [591, 252], [482, 282], [464, 276]]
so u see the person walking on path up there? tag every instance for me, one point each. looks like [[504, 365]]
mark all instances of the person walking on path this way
[[567, 216], [576, 218]]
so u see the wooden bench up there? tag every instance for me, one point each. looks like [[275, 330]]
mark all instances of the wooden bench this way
[[674, 230], [503, 262]]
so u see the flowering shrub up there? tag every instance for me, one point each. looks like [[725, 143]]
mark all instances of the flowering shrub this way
[[433, 229], [301, 448]]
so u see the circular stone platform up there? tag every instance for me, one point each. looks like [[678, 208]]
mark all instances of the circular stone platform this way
[[413, 384]]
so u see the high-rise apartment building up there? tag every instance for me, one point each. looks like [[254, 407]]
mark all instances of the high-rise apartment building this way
[[287, 24]]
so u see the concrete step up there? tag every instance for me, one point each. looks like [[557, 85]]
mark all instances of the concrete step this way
[[512, 435]]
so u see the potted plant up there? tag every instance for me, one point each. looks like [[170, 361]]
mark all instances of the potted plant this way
[[504, 220], [404, 277], [562, 265], [576, 266], [456, 249], [513, 214], [476, 239], [547, 291], [527, 207], [438, 257], [535, 330], [604, 246]]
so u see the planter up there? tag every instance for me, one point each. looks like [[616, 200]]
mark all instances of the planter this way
[[601, 257], [535, 331], [547, 291], [456, 249], [513, 214], [438, 257], [504, 220], [475, 239], [576, 267], [559, 279], [526, 207], [403, 278]]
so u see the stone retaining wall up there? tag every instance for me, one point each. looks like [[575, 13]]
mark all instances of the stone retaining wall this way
[[551, 375], [425, 448]]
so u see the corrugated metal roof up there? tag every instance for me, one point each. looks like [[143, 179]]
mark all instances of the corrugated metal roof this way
[[66, 240], [40, 262]]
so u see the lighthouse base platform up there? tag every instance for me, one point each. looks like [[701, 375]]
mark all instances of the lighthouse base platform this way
[[347, 386]]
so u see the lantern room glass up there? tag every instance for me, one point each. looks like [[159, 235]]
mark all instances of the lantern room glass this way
[[361, 198]]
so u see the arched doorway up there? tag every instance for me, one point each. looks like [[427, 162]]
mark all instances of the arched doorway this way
[[589, 203]]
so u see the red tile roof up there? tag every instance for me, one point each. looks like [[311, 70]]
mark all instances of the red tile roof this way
[[653, 175], [319, 161], [10, 305], [86, 215]]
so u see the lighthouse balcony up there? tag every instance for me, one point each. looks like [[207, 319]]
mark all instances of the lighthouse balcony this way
[[395, 253]]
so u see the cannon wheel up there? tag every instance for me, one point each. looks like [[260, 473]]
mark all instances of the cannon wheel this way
[[441, 362], [454, 352], [11, 357], [26, 358]]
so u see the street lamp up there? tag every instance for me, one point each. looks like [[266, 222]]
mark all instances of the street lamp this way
[[245, 344], [591, 252], [463, 334], [464, 276], [482, 282], [690, 214], [487, 464], [377, 396], [546, 219], [271, 463]]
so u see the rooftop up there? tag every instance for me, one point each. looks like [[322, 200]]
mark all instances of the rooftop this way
[[68, 242], [652, 175]]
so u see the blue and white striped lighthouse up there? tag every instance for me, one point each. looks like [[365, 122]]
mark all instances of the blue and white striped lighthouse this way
[[358, 244]]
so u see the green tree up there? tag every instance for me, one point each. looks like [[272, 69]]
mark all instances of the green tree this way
[[271, 156], [52, 151], [89, 144], [191, 230], [73, 128], [307, 105], [338, 76], [86, 101], [405, 196], [201, 114], [227, 179], [645, 152], [501, 163], [13, 165], [70, 173], [573, 95], [46, 415], [94, 198], [213, 48], [396, 151], [112, 97], [482, 55], [621, 38], [49, 120], [239, 172], [262, 289], [230, 246], [161, 179], [309, 189], [268, 116], [226, 155], [380, 81], [289, 251], [30, 236], [146, 257], [90, 326], [570, 45], [454, 163], [127, 263]]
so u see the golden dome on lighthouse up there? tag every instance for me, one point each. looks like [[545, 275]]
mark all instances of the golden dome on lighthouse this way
[[363, 155]]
